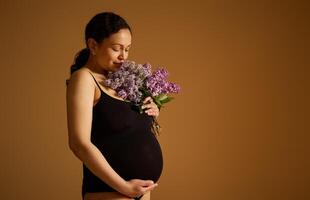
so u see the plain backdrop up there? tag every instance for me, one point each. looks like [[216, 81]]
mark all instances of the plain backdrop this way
[[239, 129]]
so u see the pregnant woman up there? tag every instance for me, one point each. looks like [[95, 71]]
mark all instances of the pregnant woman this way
[[121, 156]]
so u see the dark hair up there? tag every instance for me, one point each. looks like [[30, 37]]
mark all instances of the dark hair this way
[[101, 26]]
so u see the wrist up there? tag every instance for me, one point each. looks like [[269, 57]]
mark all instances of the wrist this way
[[122, 187]]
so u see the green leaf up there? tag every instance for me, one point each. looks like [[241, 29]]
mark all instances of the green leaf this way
[[167, 100], [161, 97], [158, 102]]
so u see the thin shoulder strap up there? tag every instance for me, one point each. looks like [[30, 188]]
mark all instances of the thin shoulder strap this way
[[95, 81]]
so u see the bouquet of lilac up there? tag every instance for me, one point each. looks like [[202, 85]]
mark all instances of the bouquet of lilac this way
[[134, 82]]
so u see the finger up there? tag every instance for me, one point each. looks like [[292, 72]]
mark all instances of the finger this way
[[145, 106], [152, 113], [147, 182], [150, 105], [149, 188], [147, 99], [153, 110], [149, 112]]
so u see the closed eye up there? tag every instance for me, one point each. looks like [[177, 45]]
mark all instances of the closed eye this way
[[116, 50], [117, 47]]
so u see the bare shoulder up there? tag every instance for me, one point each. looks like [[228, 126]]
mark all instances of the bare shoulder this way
[[80, 90], [79, 76], [80, 80]]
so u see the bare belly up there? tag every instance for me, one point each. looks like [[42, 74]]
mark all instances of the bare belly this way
[[111, 196]]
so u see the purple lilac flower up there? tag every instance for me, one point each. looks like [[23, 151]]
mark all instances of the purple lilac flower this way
[[132, 81], [122, 94], [157, 84], [128, 79]]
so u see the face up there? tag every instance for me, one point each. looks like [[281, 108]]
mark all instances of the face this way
[[112, 50]]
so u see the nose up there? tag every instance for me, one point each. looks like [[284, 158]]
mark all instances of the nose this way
[[122, 55]]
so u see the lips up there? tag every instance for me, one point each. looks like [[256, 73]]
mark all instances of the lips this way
[[118, 64]]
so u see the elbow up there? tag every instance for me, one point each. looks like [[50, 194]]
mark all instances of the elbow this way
[[76, 148], [73, 147]]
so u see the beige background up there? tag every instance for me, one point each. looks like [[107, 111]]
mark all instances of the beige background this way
[[239, 129]]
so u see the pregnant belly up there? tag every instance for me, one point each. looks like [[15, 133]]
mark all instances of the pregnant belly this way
[[134, 156]]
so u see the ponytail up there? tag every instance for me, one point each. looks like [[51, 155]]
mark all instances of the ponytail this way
[[79, 61]]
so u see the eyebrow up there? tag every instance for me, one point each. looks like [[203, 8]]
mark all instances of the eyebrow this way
[[119, 44]]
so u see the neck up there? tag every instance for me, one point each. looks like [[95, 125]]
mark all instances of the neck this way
[[91, 65]]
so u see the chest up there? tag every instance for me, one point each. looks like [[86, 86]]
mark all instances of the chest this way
[[117, 117]]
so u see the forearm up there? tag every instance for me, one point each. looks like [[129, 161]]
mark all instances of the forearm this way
[[98, 165]]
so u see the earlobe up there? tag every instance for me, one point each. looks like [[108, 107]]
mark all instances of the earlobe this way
[[92, 45]]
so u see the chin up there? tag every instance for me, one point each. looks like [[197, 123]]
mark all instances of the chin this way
[[113, 69]]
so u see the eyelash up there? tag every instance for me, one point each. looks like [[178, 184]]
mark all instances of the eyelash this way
[[118, 50]]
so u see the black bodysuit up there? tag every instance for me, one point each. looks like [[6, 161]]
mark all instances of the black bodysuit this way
[[124, 137]]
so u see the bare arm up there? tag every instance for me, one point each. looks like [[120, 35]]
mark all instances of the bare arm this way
[[80, 95]]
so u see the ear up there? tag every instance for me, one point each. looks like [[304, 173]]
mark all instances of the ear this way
[[92, 45]]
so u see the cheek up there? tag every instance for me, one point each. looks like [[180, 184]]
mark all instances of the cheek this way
[[126, 55], [107, 57], [111, 54]]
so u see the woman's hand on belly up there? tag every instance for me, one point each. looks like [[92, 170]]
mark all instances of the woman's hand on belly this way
[[138, 187]]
